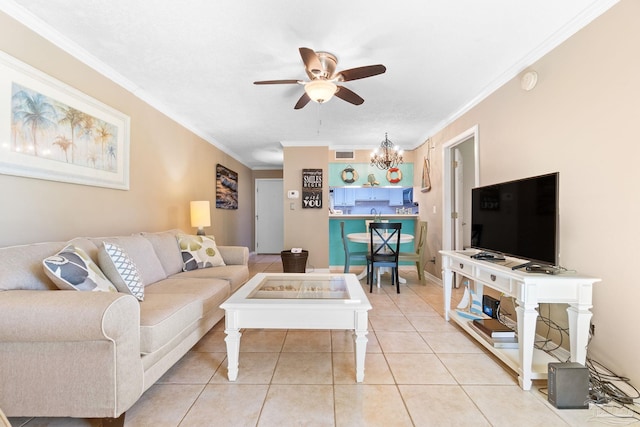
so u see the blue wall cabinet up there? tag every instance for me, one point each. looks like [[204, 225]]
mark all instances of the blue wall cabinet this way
[[344, 196]]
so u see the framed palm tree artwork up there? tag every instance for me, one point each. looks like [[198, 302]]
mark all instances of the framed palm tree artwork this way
[[49, 130]]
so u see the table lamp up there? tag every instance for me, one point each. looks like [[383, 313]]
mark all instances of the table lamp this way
[[200, 215]]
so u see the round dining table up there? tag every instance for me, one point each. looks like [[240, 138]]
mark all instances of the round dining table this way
[[366, 238]]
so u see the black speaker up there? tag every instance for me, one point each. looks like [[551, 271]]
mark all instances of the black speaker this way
[[568, 385], [490, 306]]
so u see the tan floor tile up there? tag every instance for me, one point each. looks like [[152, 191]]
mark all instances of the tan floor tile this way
[[307, 341], [411, 302], [193, 368], [418, 369], [390, 323], [430, 323], [402, 342], [212, 342], [291, 404], [163, 405], [383, 306], [451, 342], [262, 340], [227, 405], [21, 421], [511, 406], [254, 368], [54, 422], [373, 345], [342, 341], [376, 369], [476, 369], [370, 405], [303, 368], [218, 326], [441, 405]]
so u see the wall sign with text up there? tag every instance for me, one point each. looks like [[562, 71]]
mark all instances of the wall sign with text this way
[[312, 188]]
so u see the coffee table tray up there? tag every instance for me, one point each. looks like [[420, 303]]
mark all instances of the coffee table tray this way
[[287, 287]]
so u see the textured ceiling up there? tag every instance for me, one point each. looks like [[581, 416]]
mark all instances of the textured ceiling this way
[[197, 60]]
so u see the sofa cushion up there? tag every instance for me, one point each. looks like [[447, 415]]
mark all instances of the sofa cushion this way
[[72, 269], [166, 246], [141, 252], [164, 316], [121, 270], [235, 275], [199, 252], [212, 292]]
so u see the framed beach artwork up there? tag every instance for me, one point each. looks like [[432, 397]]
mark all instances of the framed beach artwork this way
[[51, 131], [226, 188]]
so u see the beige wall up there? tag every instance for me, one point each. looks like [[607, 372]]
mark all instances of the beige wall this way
[[580, 120], [169, 167], [306, 228]]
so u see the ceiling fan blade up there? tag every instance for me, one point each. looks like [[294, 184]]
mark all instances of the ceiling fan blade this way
[[311, 61], [361, 72], [348, 95], [304, 100], [277, 82]]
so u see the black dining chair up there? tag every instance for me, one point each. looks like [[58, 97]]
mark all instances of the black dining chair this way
[[348, 255], [385, 247]]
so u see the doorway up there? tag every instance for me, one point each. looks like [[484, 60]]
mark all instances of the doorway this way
[[269, 216], [461, 172]]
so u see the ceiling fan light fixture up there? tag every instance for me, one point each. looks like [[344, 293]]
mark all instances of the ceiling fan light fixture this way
[[320, 90]]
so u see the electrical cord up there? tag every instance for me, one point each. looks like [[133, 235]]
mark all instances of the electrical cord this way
[[547, 341], [605, 387]]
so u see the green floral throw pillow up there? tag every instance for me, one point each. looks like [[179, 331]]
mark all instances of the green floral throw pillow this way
[[199, 252]]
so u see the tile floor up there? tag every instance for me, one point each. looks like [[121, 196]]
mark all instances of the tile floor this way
[[419, 371]]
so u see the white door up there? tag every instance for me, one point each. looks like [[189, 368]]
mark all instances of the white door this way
[[269, 216], [458, 202], [454, 191]]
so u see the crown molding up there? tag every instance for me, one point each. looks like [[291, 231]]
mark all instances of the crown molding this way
[[44, 30]]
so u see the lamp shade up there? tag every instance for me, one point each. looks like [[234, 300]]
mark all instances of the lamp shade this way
[[200, 214], [320, 90]]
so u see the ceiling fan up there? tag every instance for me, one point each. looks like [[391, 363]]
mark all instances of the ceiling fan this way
[[324, 80]]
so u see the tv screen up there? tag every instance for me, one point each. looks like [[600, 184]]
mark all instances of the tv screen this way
[[517, 218]]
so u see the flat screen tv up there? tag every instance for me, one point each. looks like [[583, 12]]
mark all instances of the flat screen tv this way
[[517, 218]]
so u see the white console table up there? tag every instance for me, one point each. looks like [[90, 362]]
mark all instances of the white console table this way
[[528, 289]]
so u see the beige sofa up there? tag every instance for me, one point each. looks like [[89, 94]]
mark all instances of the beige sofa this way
[[92, 354]]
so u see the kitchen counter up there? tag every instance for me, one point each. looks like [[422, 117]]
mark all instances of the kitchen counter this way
[[355, 223]]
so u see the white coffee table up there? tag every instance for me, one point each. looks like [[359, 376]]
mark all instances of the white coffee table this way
[[297, 301]]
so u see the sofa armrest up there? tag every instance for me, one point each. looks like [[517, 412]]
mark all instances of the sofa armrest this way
[[45, 316], [234, 255], [60, 344]]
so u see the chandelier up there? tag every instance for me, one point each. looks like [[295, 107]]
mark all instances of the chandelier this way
[[387, 156]]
